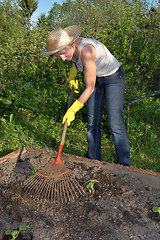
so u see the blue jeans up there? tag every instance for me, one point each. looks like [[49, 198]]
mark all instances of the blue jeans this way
[[111, 88]]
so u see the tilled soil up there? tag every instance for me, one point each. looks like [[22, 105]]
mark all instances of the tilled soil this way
[[119, 209]]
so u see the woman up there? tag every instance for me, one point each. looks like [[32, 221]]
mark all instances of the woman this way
[[104, 79]]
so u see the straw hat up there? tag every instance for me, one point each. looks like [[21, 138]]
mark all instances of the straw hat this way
[[58, 39]]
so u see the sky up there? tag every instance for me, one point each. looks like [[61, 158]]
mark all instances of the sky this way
[[45, 5]]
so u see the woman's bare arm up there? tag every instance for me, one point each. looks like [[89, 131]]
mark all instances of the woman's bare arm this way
[[88, 54]]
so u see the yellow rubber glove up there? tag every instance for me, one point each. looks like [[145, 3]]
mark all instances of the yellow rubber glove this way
[[72, 76], [70, 114]]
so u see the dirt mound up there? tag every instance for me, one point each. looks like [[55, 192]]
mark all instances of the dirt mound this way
[[120, 207]]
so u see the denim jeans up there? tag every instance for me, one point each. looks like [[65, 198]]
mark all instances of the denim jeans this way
[[112, 89]]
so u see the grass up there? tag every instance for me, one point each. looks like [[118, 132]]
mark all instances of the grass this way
[[40, 130], [144, 133]]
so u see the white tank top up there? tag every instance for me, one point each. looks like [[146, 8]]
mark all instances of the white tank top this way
[[106, 63]]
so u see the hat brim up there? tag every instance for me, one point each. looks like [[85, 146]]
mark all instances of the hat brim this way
[[77, 33]]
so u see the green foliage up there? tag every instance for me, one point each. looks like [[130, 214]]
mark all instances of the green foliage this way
[[91, 184], [143, 133], [15, 233], [9, 20], [27, 8], [34, 170]]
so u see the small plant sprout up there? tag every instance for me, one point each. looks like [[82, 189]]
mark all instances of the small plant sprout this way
[[90, 185], [34, 170], [15, 233], [156, 209]]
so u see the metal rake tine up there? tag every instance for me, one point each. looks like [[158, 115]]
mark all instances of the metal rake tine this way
[[70, 188], [61, 195], [78, 186], [38, 185], [38, 188], [59, 192], [34, 182], [52, 190], [63, 191], [31, 183], [44, 189], [24, 187], [55, 191], [27, 182], [66, 190], [41, 191], [75, 193], [48, 192], [47, 189]]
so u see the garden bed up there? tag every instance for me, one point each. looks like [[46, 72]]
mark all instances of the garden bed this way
[[119, 209]]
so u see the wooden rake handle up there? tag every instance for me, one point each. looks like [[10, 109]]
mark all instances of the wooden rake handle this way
[[58, 158], [66, 124]]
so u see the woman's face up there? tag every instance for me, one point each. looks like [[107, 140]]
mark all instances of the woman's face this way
[[66, 53]]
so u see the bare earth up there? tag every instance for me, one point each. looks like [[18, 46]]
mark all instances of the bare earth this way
[[120, 208]]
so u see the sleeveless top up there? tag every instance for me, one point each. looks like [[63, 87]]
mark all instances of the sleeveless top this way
[[106, 63]]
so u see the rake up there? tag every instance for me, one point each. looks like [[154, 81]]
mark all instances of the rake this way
[[55, 182]]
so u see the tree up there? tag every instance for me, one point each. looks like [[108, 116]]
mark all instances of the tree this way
[[27, 8], [9, 20]]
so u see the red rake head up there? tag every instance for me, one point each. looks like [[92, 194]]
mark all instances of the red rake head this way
[[54, 182], [56, 169], [53, 170], [64, 190], [57, 160]]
